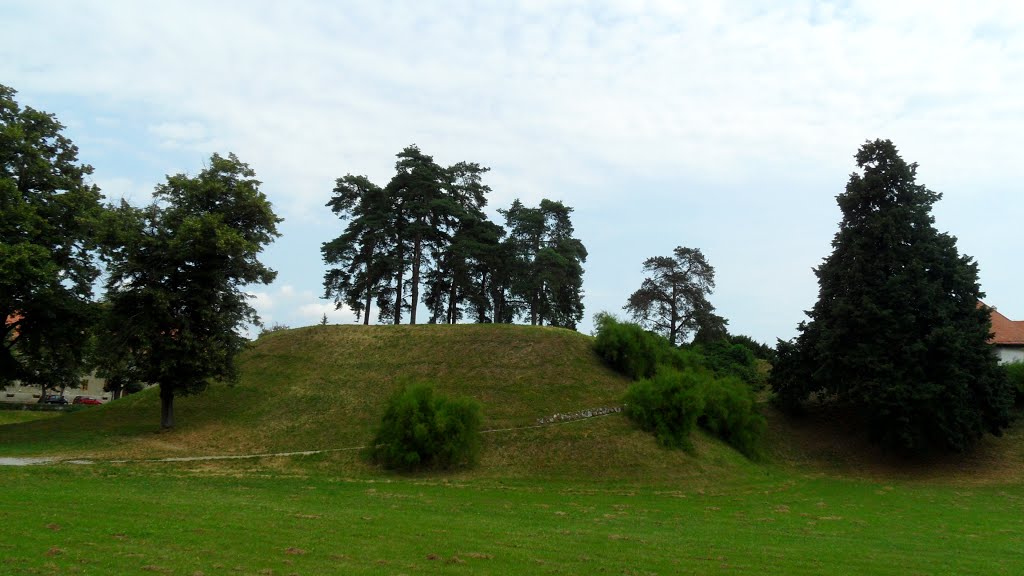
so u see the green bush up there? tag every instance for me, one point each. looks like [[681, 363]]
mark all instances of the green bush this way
[[1015, 375], [710, 384], [637, 353], [728, 359], [731, 414], [667, 405], [423, 430], [628, 348]]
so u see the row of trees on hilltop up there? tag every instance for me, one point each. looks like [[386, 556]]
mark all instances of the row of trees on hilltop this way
[[424, 238]]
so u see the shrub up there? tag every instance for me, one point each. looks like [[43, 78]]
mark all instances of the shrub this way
[[667, 405], [631, 350], [761, 351], [423, 430], [730, 413], [1015, 375], [677, 388], [728, 359]]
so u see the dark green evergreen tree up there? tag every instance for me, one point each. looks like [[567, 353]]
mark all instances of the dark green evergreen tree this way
[[48, 221], [897, 333], [177, 273], [546, 273], [360, 253], [420, 213], [464, 235]]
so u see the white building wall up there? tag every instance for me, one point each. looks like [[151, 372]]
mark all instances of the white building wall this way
[[1009, 354], [89, 386]]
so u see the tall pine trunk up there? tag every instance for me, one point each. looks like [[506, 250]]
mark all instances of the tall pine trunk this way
[[398, 283], [417, 251], [452, 304], [166, 407], [370, 283], [366, 310]]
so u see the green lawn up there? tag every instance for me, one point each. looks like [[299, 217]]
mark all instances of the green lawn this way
[[167, 519], [19, 416], [595, 496]]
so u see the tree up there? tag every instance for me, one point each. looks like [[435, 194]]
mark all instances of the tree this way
[[464, 242], [547, 268], [48, 216], [177, 269], [419, 210], [673, 299], [361, 251], [897, 334]]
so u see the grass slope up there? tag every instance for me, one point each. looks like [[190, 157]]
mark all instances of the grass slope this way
[[325, 386], [587, 497]]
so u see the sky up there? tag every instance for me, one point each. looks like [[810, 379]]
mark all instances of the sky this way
[[724, 126]]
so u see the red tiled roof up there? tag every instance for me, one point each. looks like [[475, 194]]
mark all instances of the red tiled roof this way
[[1005, 331]]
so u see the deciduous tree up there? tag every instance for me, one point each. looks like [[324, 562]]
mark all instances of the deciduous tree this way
[[48, 217], [177, 273]]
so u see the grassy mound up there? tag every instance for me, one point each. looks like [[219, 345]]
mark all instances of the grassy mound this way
[[324, 387]]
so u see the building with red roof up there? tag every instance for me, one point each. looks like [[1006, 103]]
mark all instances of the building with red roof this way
[[1007, 337]]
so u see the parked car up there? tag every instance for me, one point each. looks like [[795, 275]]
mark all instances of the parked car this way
[[86, 400], [54, 399]]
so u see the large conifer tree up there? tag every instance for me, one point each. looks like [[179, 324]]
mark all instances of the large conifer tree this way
[[897, 333]]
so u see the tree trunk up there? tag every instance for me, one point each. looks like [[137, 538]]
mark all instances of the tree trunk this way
[[369, 290], [452, 306], [674, 320], [369, 297], [166, 407], [398, 284], [481, 312], [533, 309], [366, 311], [414, 300]]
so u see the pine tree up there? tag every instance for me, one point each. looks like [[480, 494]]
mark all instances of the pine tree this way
[[673, 299], [897, 333], [546, 270], [360, 253]]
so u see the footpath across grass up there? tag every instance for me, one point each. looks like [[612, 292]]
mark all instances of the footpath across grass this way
[[171, 519]]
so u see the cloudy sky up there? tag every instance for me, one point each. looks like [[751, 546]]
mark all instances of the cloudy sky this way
[[728, 127]]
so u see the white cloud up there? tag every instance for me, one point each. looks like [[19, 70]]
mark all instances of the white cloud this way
[[261, 301], [182, 135], [691, 113], [313, 312], [118, 188]]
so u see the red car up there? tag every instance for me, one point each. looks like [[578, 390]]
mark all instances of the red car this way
[[85, 400]]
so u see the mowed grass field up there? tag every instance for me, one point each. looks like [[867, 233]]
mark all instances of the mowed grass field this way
[[156, 519], [593, 496]]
